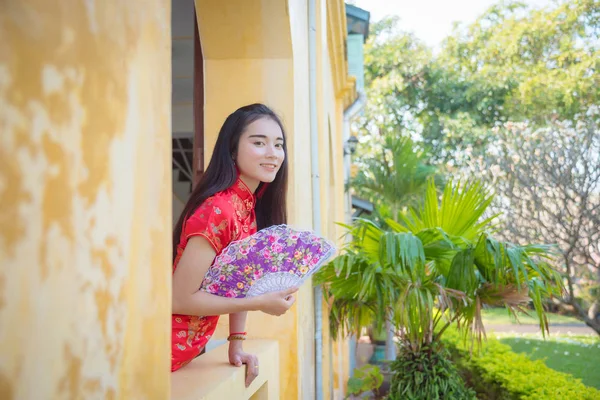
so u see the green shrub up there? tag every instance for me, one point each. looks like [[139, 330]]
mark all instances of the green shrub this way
[[569, 355], [365, 379], [428, 374], [496, 372]]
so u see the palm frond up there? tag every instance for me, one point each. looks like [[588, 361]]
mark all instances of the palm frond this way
[[402, 251], [435, 265], [397, 176], [462, 275], [459, 213]]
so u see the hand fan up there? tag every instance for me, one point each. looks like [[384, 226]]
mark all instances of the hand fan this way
[[273, 259]]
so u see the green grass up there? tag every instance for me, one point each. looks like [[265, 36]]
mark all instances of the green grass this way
[[499, 372], [575, 355], [500, 316]]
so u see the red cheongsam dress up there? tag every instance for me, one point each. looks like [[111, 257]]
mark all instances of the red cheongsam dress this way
[[225, 217]]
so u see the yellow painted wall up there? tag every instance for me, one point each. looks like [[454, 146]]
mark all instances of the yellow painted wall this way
[[254, 65], [267, 62], [85, 199], [300, 194], [332, 190]]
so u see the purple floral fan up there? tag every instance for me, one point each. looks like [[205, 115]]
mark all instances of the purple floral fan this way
[[273, 259]]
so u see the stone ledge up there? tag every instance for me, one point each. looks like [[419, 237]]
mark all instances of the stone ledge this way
[[210, 376]]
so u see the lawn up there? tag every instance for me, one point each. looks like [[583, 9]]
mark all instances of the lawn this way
[[500, 316], [575, 355]]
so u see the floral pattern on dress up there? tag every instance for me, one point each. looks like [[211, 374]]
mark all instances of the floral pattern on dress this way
[[228, 215]]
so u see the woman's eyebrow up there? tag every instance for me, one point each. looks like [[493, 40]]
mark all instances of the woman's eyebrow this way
[[264, 137]]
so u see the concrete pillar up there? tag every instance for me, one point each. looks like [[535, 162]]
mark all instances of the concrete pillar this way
[[85, 199]]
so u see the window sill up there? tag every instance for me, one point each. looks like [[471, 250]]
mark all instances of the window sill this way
[[210, 376]]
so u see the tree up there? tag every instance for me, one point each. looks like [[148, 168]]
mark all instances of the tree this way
[[393, 174], [538, 62], [548, 185], [512, 64], [395, 62], [438, 266]]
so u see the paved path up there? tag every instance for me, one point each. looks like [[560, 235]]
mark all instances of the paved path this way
[[575, 329]]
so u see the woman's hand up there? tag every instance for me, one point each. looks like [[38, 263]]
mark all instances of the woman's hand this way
[[276, 303], [237, 357]]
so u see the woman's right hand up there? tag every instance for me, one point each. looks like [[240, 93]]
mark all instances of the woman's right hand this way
[[276, 303]]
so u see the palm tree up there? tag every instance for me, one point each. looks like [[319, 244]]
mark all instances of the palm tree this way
[[392, 176], [439, 265], [395, 176]]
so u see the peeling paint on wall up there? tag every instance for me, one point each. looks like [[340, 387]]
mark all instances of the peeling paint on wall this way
[[85, 202]]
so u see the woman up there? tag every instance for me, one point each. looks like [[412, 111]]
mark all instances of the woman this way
[[249, 157]]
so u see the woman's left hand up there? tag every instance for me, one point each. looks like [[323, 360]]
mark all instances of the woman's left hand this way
[[237, 357]]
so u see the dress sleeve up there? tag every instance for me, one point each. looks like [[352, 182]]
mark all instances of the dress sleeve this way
[[211, 221]]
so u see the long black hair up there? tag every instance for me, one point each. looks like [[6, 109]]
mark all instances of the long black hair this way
[[221, 174]]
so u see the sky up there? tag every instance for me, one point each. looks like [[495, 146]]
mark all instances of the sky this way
[[432, 20]]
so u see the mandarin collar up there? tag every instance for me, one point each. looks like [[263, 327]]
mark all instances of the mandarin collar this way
[[242, 190]]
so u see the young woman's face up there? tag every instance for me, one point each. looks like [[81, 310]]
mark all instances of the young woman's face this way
[[260, 152]]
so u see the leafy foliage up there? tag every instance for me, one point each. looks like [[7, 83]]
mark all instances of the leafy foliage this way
[[427, 374], [548, 180], [511, 64], [365, 379], [437, 265], [498, 373], [527, 64], [393, 175], [571, 355]]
